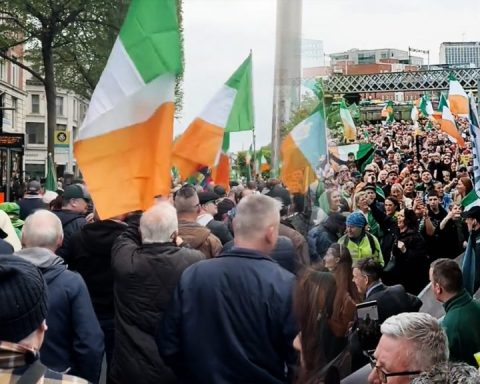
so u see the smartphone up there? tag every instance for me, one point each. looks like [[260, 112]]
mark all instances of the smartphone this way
[[367, 310], [420, 194]]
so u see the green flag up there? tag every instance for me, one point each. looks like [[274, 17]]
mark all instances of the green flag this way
[[241, 117], [51, 181], [442, 103]]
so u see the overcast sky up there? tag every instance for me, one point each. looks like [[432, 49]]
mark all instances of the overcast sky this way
[[220, 33]]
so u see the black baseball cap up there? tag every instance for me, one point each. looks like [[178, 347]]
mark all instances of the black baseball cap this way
[[472, 213]]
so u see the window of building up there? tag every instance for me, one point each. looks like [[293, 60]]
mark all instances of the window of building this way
[[14, 73], [75, 112], [35, 103], [35, 171], [2, 69], [35, 133], [14, 112], [59, 103]]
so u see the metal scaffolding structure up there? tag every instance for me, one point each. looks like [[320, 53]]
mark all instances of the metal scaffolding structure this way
[[401, 81]]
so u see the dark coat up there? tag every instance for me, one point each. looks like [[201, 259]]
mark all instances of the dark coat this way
[[393, 300], [462, 325], [30, 205], [283, 254], [231, 321], [90, 255], [74, 339], [220, 230], [72, 222], [145, 277], [412, 266]]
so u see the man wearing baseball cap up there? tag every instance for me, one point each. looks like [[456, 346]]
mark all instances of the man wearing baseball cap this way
[[359, 242], [208, 209], [23, 303], [32, 200], [75, 200]]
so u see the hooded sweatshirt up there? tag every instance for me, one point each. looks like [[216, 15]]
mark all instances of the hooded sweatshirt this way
[[74, 339]]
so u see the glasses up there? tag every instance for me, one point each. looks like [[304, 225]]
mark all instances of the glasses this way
[[382, 375]]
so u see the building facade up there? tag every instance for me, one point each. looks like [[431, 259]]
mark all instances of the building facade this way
[[71, 109], [460, 53], [373, 56], [312, 53]]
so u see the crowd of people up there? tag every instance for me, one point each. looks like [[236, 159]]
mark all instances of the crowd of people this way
[[251, 284]]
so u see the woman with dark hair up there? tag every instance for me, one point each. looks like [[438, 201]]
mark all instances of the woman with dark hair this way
[[464, 187], [388, 224], [313, 305], [339, 261], [410, 254]]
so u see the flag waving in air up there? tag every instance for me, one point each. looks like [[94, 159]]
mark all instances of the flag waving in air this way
[[301, 152], [123, 147], [388, 112], [349, 129], [230, 110], [449, 126], [457, 98]]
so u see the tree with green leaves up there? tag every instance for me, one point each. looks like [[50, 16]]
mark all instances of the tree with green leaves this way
[[48, 29], [67, 44]]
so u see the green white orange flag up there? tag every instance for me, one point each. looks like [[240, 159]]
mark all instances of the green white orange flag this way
[[349, 129], [457, 97], [264, 166], [388, 112], [230, 110], [449, 126], [221, 171], [123, 147]]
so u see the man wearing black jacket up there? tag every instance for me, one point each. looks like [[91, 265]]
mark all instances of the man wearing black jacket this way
[[208, 209], [391, 300], [90, 255]]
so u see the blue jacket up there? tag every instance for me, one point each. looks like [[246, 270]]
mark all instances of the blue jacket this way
[[74, 339], [231, 321]]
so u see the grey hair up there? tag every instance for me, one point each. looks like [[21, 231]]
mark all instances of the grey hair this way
[[449, 372], [254, 214], [42, 229], [430, 345], [158, 223]]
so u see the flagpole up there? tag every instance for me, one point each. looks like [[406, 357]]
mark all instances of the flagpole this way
[[254, 151]]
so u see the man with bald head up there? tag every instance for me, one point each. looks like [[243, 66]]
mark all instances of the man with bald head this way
[[74, 340], [231, 318], [147, 264]]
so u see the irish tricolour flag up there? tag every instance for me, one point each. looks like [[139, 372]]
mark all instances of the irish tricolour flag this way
[[449, 126], [301, 152], [230, 110], [123, 147], [457, 98], [349, 129]]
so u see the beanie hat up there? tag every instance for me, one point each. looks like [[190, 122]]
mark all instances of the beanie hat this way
[[23, 298], [357, 219]]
